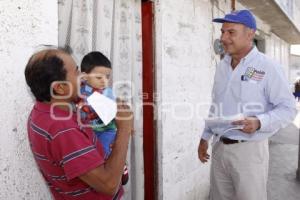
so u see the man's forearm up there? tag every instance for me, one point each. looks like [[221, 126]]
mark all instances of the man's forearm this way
[[116, 161]]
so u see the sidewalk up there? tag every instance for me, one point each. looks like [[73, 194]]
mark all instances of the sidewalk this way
[[282, 183]]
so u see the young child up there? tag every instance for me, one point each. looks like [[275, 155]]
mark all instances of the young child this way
[[96, 69]]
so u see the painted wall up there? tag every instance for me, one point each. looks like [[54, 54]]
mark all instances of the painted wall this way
[[24, 25]]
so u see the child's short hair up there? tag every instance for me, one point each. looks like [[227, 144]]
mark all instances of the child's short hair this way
[[93, 59]]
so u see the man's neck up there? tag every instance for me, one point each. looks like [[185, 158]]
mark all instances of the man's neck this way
[[236, 58], [63, 104]]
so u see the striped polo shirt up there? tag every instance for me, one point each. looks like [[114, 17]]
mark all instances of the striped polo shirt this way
[[63, 152]]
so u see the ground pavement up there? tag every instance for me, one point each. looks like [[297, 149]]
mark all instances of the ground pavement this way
[[282, 183]]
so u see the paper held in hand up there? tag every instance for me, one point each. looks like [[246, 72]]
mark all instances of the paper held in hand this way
[[105, 108], [221, 125]]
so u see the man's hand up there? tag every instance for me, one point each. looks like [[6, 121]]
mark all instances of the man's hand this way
[[124, 118], [251, 124], [202, 151]]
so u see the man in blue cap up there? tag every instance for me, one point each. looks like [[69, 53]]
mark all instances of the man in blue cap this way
[[250, 85]]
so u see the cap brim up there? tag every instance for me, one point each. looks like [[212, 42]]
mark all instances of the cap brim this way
[[223, 20]]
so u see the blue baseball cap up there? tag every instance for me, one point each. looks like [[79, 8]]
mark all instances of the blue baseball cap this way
[[239, 16]]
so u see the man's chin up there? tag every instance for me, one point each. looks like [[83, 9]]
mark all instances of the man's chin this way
[[228, 51]]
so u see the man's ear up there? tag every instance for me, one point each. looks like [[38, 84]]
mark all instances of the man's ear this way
[[58, 88], [251, 34], [61, 89]]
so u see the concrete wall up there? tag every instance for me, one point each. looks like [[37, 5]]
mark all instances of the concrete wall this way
[[296, 13], [292, 9], [185, 68], [24, 25], [286, 6]]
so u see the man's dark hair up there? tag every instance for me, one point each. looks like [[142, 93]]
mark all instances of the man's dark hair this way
[[42, 69], [92, 60]]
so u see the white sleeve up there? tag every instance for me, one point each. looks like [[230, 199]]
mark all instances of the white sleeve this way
[[207, 134], [281, 99]]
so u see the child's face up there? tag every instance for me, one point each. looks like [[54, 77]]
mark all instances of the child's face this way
[[99, 77]]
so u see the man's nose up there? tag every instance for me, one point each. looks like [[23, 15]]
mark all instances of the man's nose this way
[[224, 37]]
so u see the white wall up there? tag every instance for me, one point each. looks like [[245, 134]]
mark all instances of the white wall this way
[[185, 68], [24, 25]]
